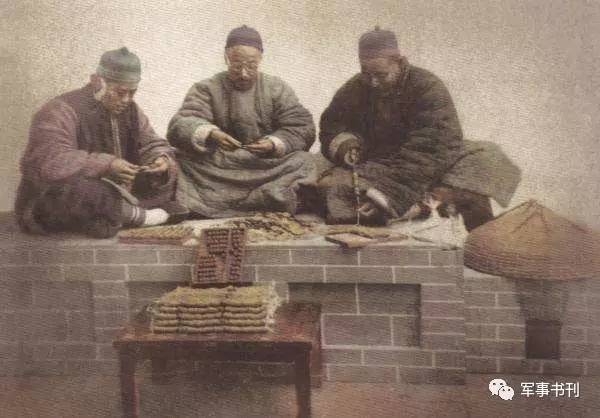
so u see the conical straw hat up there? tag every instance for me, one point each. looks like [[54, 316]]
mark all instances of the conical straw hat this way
[[531, 241]]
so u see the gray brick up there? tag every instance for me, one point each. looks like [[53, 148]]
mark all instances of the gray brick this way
[[331, 355], [107, 352], [581, 318], [508, 300], [362, 374], [442, 325], [333, 297], [427, 274], [481, 365], [481, 331], [282, 290], [511, 332], [110, 319], [62, 351], [107, 335], [506, 285], [80, 326], [570, 334], [432, 376], [319, 256], [32, 273], [45, 368], [95, 273], [442, 309], [15, 294], [443, 341], [576, 301], [406, 331], [388, 299], [43, 325], [178, 256], [166, 273], [494, 316], [62, 295], [50, 351], [10, 368], [298, 274], [357, 330], [9, 326], [127, 256], [9, 351], [449, 359], [393, 256], [398, 357], [14, 256], [444, 292], [248, 274], [593, 368], [110, 289], [359, 274], [446, 258], [92, 367], [485, 299], [268, 255], [111, 304], [591, 286], [563, 367], [593, 301], [520, 366], [593, 334], [580, 351], [70, 256], [496, 348], [480, 284]]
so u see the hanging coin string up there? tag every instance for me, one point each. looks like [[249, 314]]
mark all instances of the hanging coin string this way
[[353, 162]]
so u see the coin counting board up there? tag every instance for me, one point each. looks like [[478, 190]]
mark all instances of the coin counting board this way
[[220, 257]]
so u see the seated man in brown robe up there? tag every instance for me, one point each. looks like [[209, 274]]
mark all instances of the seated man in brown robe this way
[[93, 162], [395, 124]]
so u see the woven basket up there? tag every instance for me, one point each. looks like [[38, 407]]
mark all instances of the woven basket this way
[[531, 241]]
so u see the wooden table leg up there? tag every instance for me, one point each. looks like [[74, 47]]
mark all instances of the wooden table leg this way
[[129, 390], [302, 369]]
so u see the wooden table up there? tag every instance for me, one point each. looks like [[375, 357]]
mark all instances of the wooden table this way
[[296, 338]]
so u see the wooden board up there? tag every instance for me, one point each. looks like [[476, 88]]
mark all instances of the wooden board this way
[[350, 240]]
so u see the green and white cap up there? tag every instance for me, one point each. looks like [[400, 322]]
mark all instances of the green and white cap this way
[[120, 65]]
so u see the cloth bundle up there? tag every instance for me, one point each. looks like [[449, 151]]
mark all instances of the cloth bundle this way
[[230, 309]]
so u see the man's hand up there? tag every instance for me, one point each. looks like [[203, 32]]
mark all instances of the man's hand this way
[[160, 165], [352, 156], [261, 147], [225, 141], [123, 171]]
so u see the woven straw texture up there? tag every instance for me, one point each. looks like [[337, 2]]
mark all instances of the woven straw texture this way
[[531, 241]]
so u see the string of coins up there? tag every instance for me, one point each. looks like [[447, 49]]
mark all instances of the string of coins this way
[[352, 160]]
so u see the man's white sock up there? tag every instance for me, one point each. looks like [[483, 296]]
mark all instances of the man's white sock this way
[[155, 217]]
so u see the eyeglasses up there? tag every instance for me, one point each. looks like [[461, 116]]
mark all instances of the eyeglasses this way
[[239, 66]]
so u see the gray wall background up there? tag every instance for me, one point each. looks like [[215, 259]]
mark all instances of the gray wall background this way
[[522, 73]]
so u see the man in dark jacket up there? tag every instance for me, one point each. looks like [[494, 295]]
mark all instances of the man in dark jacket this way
[[93, 162], [395, 124]]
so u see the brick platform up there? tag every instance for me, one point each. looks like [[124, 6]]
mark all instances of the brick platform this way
[[391, 312], [497, 309]]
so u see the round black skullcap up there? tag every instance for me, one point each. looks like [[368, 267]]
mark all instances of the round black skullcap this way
[[244, 35], [372, 43]]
